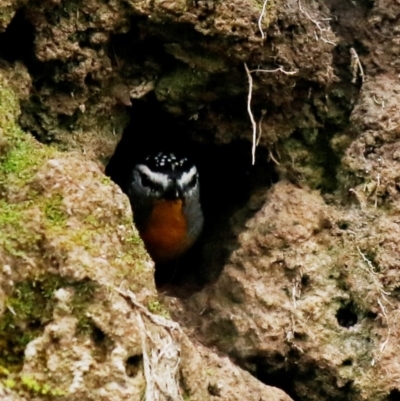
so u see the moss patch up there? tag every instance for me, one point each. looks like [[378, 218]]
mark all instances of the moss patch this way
[[54, 210], [20, 155], [15, 231], [30, 308]]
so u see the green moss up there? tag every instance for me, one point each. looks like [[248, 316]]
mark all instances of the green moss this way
[[93, 221], [4, 371], [84, 238], [28, 220], [106, 180], [20, 158], [134, 239], [29, 308], [15, 231], [34, 387], [9, 383], [28, 384], [9, 106], [22, 155], [54, 210], [157, 308], [84, 292], [9, 214], [27, 311], [181, 83]]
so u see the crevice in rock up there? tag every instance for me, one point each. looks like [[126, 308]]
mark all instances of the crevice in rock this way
[[347, 362], [227, 181], [277, 373], [98, 335], [293, 377], [394, 395], [16, 43], [133, 365], [102, 341], [346, 315]]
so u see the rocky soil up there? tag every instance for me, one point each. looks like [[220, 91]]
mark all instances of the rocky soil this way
[[293, 292]]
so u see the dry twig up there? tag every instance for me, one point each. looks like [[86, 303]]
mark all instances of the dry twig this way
[[249, 97], [261, 18], [161, 352], [318, 25], [253, 122], [280, 69], [356, 66], [263, 113]]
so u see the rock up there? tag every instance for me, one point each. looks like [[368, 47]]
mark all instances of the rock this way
[[310, 294], [79, 314]]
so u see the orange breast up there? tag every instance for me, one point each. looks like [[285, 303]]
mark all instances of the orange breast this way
[[165, 231]]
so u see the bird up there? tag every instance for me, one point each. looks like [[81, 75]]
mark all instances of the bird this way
[[164, 192]]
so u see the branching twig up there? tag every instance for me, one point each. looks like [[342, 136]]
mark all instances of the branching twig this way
[[280, 69], [249, 96], [317, 24], [157, 319], [367, 261], [161, 352], [146, 360]]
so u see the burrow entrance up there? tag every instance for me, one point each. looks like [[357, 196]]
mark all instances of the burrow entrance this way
[[227, 181]]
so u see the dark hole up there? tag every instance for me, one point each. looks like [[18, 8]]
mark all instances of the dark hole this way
[[227, 179], [214, 389], [296, 379], [98, 335], [394, 395], [343, 225], [132, 365], [35, 324], [371, 315], [275, 373], [395, 292], [103, 343], [346, 315], [305, 280], [16, 43], [300, 336], [347, 362]]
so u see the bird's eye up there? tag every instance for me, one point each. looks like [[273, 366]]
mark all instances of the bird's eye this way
[[146, 182]]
